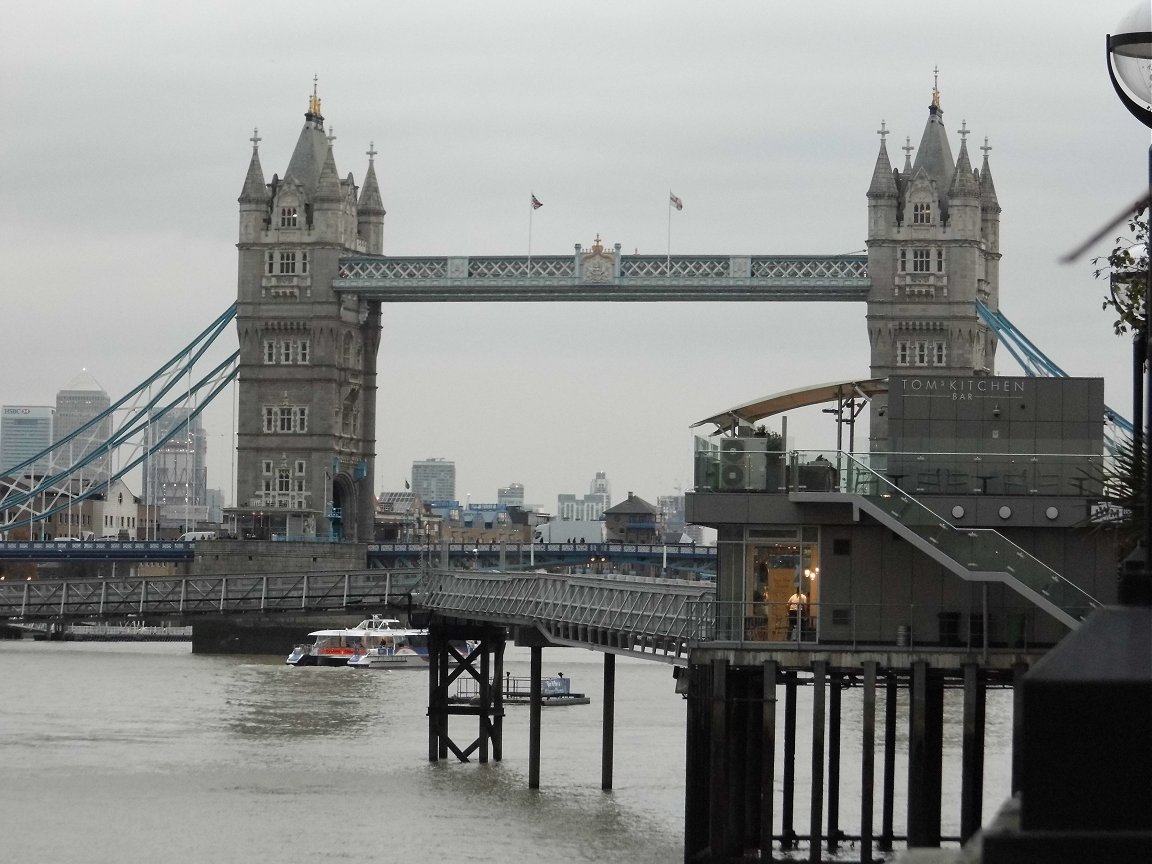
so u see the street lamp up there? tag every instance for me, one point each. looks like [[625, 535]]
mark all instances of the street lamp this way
[[1129, 55]]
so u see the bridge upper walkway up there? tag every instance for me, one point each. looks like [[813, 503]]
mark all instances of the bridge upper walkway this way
[[605, 275]]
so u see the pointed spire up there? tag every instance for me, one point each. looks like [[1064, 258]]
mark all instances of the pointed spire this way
[[907, 148], [987, 187], [328, 186], [255, 189], [370, 200], [963, 181], [883, 185]]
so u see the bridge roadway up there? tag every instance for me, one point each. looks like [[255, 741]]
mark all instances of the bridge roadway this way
[[618, 614]]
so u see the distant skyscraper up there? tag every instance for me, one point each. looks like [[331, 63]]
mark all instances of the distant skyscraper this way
[[175, 476], [586, 507], [81, 401], [25, 430], [434, 480], [511, 495]]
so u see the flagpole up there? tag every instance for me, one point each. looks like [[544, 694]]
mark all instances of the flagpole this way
[[531, 208], [668, 260]]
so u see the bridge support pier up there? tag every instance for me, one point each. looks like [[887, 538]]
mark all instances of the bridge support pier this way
[[485, 665]]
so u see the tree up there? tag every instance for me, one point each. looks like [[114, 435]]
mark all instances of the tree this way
[[1126, 268]]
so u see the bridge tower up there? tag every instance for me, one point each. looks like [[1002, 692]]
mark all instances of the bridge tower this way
[[933, 251], [307, 374]]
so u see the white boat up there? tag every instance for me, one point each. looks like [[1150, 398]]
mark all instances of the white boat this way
[[376, 643]]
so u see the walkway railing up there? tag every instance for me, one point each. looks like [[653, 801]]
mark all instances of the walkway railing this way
[[175, 595], [654, 617]]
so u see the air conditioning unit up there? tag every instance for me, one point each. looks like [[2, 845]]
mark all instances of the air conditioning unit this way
[[741, 466]]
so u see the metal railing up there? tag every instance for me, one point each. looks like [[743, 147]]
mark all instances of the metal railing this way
[[655, 617], [177, 596]]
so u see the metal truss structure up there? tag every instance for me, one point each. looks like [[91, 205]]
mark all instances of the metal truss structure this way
[[175, 596], [83, 464], [655, 618], [605, 276]]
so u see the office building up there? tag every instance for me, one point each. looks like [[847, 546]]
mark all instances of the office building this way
[[25, 432], [511, 495], [175, 475], [82, 401], [434, 480], [580, 508]]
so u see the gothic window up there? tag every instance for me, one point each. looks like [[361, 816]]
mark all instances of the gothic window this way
[[939, 260], [300, 484], [288, 217], [286, 351], [302, 351], [266, 465], [270, 263], [300, 466], [939, 354], [921, 353], [287, 263], [286, 419], [304, 263], [902, 353], [921, 259], [283, 481], [903, 260], [267, 485], [921, 214], [346, 351], [269, 351]]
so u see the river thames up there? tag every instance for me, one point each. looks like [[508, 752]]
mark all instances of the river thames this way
[[138, 753]]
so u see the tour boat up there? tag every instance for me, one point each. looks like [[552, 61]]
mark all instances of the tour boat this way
[[377, 643]]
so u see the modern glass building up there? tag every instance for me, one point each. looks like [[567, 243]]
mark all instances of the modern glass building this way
[[25, 431]]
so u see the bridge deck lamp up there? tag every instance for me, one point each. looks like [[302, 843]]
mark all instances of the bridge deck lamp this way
[[1129, 54]]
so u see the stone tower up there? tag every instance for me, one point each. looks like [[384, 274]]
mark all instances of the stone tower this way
[[307, 403], [933, 251]]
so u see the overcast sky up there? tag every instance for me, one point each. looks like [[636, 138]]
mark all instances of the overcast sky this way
[[127, 141]]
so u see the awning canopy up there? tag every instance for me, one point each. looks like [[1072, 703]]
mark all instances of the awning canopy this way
[[778, 403]]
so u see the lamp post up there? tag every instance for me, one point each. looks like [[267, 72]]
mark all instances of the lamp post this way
[[1129, 55]]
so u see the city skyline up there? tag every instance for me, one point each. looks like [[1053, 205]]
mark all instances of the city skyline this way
[[664, 100]]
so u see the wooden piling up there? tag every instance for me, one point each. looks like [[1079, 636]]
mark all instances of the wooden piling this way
[[787, 827], [536, 663]]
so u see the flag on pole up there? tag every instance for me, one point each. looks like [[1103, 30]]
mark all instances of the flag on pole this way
[[406, 486], [536, 203], [676, 202]]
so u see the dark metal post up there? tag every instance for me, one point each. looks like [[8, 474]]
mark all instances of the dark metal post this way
[[768, 759], [889, 795], [816, 811], [834, 708], [867, 761], [718, 839], [787, 829], [972, 755], [536, 663], [608, 721]]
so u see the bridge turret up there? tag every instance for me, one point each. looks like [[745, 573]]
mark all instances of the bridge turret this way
[[307, 375], [370, 209], [932, 254], [255, 199]]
